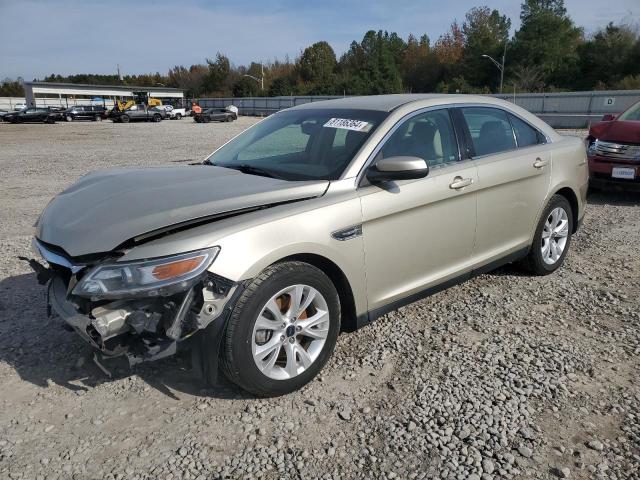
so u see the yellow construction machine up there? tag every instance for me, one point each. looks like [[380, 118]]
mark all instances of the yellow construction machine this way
[[139, 98]]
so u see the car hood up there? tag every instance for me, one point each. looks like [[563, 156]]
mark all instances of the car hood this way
[[617, 131], [104, 209]]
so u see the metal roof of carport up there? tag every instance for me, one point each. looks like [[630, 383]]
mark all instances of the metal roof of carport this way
[[32, 88]]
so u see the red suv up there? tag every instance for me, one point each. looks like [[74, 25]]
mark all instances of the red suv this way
[[614, 150]]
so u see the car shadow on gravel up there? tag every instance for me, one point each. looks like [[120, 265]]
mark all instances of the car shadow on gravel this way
[[42, 352]]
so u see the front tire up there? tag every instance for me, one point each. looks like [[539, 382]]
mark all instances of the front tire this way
[[552, 237], [124, 118], [282, 330]]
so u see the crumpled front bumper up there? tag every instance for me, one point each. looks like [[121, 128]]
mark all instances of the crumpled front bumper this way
[[58, 302], [157, 339], [137, 348]]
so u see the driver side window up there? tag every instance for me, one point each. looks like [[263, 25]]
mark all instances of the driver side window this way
[[429, 136], [289, 140]]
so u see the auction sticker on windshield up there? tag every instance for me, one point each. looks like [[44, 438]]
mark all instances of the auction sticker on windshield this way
[[348, 124]]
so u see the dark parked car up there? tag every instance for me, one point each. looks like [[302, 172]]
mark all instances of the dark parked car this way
[[216, 115], [57, 112], [140, 113], [85, 112], [614, 150], [34, 114]]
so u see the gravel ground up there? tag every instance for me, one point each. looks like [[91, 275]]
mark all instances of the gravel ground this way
[[505, 376]]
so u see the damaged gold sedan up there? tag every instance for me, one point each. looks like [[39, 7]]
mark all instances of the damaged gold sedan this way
[[319, 218]]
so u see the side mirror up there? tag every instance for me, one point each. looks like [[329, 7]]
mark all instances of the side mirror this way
[[608, 117], [397, 168]]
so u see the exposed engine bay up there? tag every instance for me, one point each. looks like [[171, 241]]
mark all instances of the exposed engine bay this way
[[142, 327]]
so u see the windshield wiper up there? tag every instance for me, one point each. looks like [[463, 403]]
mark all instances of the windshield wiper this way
[[252, 170]]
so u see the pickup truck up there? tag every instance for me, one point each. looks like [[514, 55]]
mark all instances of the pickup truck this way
[[176, 113], [140, 112]]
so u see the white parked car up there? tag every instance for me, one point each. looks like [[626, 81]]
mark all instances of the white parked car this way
[[175, 113], [19, 106]]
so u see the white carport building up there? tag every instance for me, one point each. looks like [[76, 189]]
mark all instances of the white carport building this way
[[69, 94]]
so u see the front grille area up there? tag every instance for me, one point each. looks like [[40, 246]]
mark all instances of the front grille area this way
[[615, 150]]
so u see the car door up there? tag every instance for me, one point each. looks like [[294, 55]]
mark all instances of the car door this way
[[514, 172], [137, 112], [419, 233], [30, 115]]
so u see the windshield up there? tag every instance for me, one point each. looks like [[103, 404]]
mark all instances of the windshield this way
[[306, 144], [632, 113]]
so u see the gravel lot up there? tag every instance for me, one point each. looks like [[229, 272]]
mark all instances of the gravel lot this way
[[506, 376]]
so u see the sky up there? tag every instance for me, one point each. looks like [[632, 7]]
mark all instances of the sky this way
[[40, 37]]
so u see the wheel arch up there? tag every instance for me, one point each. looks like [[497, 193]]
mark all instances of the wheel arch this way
[[572, 198], [340, 281]]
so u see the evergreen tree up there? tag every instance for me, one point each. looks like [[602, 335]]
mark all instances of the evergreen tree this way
[[548, 39]]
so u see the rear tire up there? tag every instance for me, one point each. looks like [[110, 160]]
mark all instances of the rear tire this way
[[285, 330], [69, 118], [206, 119], [157, 117], [552, 238], [178, 116], [124, 118]]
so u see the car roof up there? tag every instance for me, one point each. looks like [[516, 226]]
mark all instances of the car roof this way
[[387, 103]]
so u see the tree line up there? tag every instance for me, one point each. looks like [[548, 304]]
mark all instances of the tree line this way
[[549, 52]]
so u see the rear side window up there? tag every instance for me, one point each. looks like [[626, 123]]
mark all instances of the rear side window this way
[[526, 135], [490, 130], [428, 135]]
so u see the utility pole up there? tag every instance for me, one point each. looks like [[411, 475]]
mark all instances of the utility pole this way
[[504, 56]]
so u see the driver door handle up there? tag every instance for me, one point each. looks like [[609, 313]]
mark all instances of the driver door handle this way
[[539, 163], [459, 182]]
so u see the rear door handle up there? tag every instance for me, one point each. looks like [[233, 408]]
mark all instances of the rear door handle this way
[[539, 163], [459, 182]]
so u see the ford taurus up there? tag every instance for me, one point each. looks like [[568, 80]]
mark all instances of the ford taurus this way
[[321, 217]]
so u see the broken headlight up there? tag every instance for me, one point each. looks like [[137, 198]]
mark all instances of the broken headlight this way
[[156, 277]]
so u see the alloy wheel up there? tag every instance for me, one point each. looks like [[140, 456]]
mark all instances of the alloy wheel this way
[[554, 235], [290, 332]]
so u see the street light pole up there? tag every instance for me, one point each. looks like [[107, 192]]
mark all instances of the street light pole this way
[[259, 80], [498, 65]]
